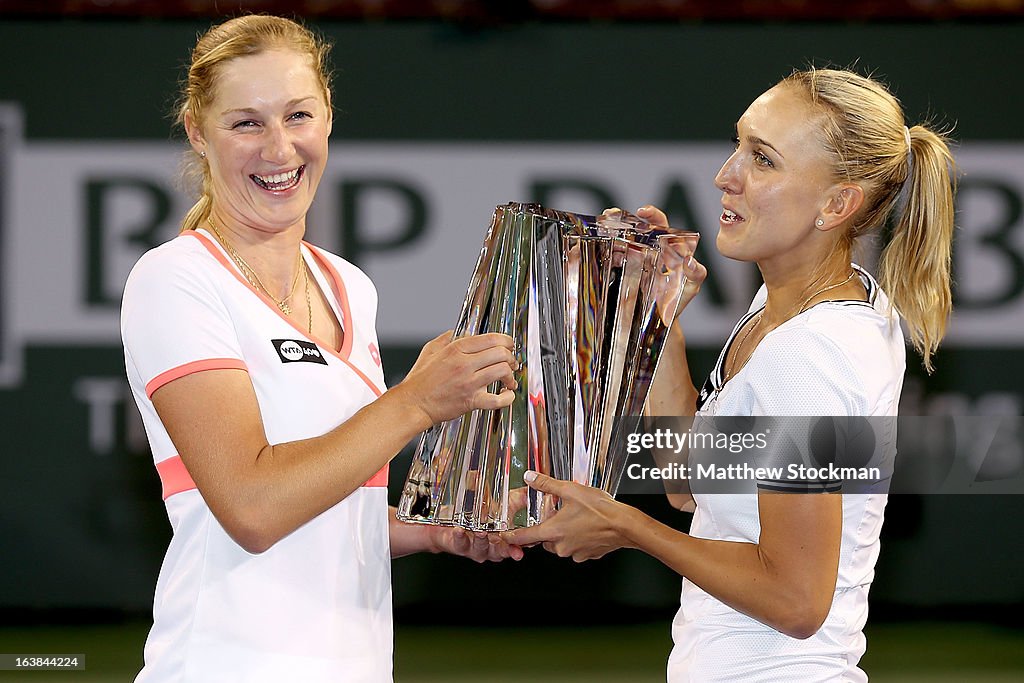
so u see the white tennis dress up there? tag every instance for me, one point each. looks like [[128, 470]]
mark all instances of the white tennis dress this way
[[836, 358], [317, 605]]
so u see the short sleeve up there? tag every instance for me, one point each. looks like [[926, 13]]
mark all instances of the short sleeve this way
[[802, 371], [173, 319], [803, 375]]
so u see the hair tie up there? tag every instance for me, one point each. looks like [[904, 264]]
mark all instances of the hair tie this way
[[901, 198], [910, 155]]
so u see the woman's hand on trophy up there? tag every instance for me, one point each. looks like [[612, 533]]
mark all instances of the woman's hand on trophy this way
[[407, 538], [678, 262], [479, 546], [451, 377], [589, 524]]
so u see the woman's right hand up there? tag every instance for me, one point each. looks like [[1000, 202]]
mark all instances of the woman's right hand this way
[[678, 265], [451, 377]]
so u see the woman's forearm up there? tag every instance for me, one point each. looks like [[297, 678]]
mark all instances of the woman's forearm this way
[[785, 584], [672, 392]]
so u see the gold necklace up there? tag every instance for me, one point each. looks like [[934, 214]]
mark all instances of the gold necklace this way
[[731, 372], [736, 365], [253, 277], [309, 307]]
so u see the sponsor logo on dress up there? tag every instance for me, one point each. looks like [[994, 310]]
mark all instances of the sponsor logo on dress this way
[[374, 353], [298, 351]]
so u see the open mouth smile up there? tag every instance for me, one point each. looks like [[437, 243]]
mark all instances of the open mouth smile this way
[[279, 182]]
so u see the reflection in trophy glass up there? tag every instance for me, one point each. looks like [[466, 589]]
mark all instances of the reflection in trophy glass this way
[[589, 301]]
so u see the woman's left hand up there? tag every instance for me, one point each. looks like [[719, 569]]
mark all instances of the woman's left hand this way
[[479, 546], [407, 538], [589, 524]]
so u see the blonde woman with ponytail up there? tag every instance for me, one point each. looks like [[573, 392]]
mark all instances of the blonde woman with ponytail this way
[[775, 582], [252, 356]]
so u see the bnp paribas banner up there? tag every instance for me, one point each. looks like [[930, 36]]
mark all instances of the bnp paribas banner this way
[[75, 216]]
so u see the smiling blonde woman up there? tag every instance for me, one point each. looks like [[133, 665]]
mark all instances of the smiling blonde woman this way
[[253, 358]]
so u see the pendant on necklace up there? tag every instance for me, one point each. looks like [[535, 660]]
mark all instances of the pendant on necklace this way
[[285, 308]]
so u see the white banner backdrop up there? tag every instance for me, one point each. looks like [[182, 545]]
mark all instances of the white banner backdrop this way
[[78, 215]]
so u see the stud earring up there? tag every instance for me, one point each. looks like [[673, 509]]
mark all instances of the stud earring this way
[[202, 155], [820, 222]]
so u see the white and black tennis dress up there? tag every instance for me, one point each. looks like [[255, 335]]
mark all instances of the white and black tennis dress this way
[[841, 358]]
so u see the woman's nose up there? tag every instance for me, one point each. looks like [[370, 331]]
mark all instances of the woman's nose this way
[[279, 147], [727, 179]]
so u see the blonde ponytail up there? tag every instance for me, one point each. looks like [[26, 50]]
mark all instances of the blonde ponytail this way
[[915, 268], [194, 178], [198, 214]]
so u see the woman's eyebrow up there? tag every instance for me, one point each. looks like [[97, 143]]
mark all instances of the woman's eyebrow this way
[[760, 141], [250, 110]]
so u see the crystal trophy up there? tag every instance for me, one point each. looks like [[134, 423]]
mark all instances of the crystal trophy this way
[[589, 301]]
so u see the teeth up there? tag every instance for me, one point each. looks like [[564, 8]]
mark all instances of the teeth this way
[[278, 178], [730, 216]]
